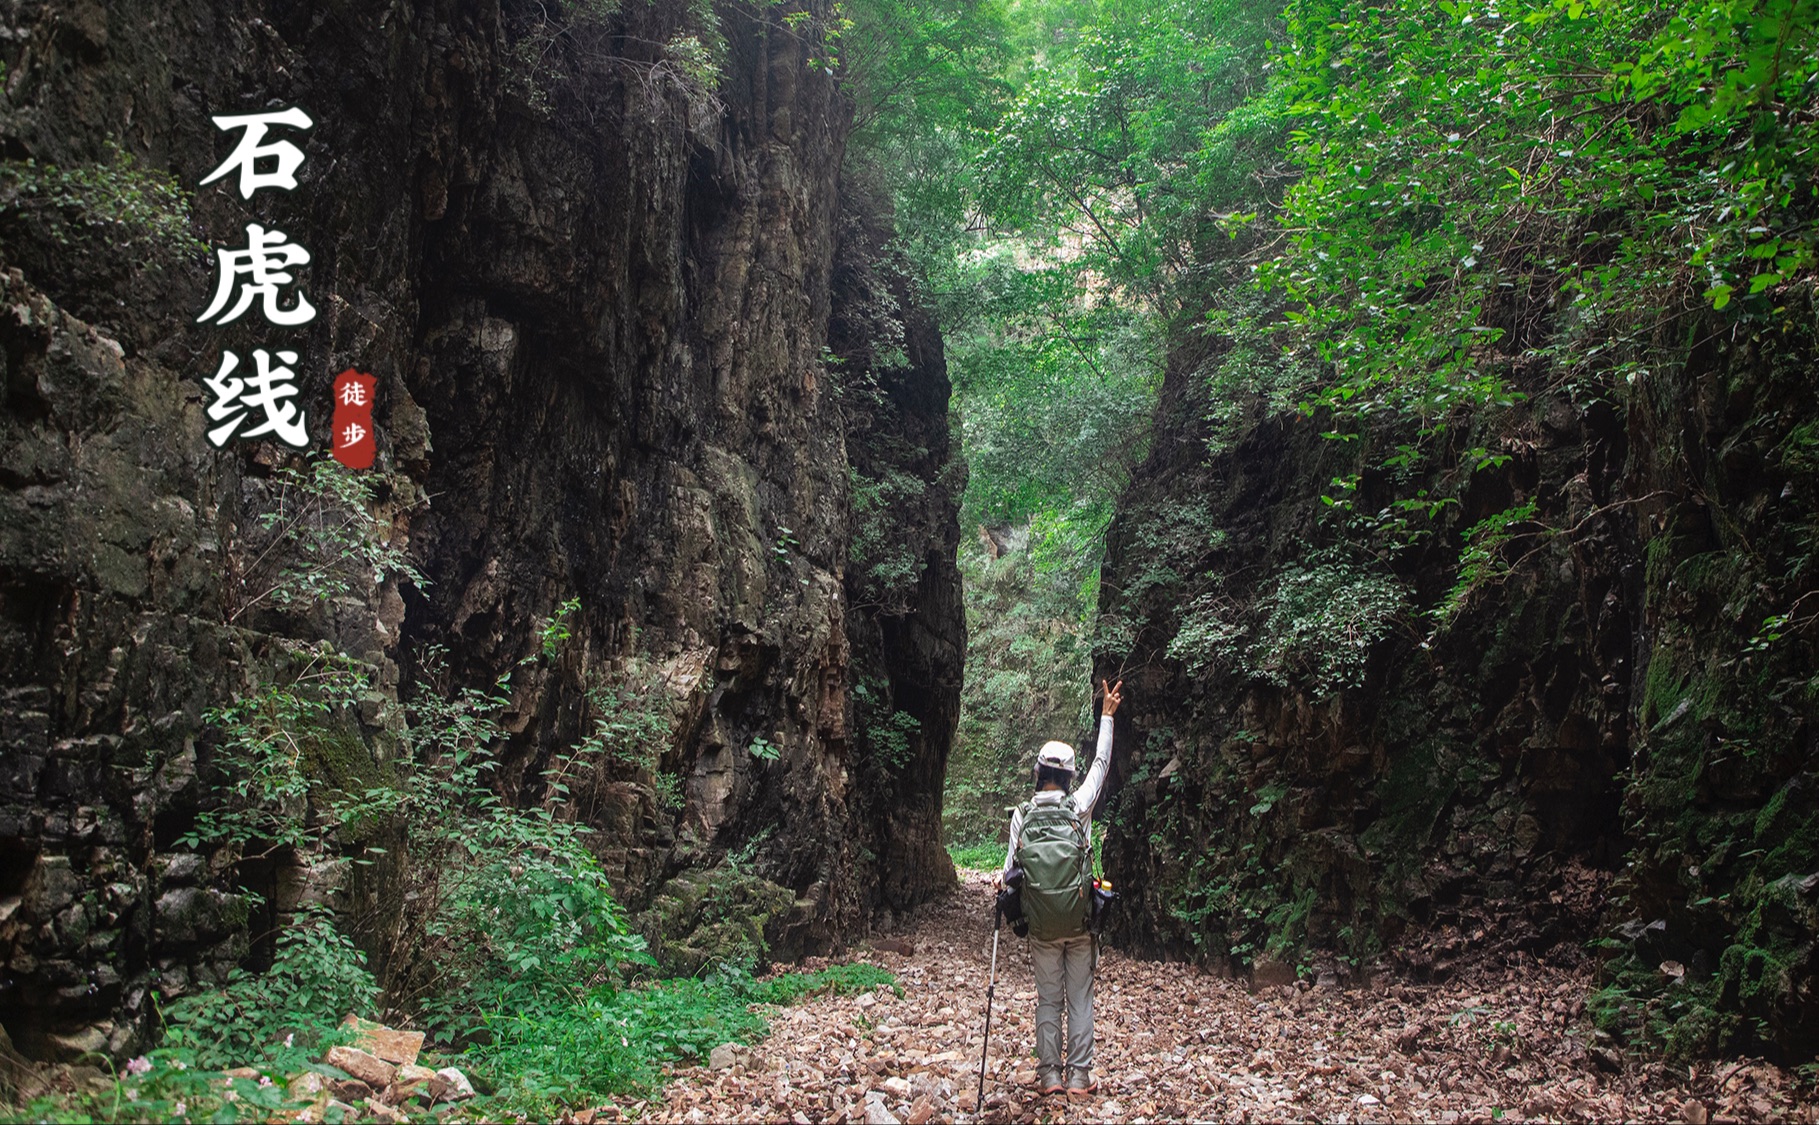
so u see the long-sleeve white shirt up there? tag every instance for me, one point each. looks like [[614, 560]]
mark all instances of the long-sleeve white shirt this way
[[1084, 798]]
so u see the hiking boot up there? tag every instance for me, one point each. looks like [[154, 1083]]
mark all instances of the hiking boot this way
[[1080, 1081], [1048, 1080]]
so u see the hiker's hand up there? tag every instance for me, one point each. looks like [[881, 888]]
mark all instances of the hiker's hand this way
[[1113, 696], [998, 881]]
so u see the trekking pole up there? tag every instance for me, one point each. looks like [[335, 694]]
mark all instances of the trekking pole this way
[[990, 990]]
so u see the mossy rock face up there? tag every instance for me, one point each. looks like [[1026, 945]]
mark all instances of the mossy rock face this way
[[341, 761], [712, 916]]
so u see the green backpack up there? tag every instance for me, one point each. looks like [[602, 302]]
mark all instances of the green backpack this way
[[1052, 851]]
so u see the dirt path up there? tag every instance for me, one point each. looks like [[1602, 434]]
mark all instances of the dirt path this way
[[1174, 1044]]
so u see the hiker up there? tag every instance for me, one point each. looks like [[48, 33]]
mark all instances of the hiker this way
[[1051, 846]]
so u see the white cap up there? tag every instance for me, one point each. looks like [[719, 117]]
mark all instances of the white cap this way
[[1057, 754]]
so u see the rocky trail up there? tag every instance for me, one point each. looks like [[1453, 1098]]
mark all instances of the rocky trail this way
[[1174, 1043]]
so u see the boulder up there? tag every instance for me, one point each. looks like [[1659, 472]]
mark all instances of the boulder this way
[[73, 1045], [1269, 973], [411, 1081], [450, 1085], [400, 1048], [366, 1067]]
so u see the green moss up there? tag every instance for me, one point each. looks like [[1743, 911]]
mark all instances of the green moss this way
[[1790, 832], [235, 910], [1720, 573], [1798, 848], [340, 766], [1701, 1032], [1658, 559], [340, 760], [1677, 697], [714, 916], [1754, 977], [1765, 819]]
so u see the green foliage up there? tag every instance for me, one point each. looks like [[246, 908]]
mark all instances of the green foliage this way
[[1312, 627], [1482, 561], [924, 78], [1167, 545], [1463, 164], [764, 750], [164, 1085], [1027, 668], [555, 632], [279, 1022], [558, 46], [608, 1044], [889, 566], [128, 212], [524, 919], [1267, 798], [1405, 220], [270, 760], [281, 1016], [985, 856], [536, 1061], [318, 540], [632, 728], [890, 740], [1121, 140], [505, 907]]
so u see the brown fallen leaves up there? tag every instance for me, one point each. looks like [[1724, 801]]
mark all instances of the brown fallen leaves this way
[[1174, 1043]]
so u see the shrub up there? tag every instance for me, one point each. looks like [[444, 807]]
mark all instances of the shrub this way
[[138, 215], [550, 1055], [317, 978], [1313, 626]]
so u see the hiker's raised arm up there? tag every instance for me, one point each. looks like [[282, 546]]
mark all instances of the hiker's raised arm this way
[[1010, 851], [1087, 795]]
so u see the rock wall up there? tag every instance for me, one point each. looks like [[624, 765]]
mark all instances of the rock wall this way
[[594, 283], [907, 618], [1605, 745]]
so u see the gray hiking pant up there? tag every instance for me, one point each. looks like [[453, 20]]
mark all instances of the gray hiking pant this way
[[1064, 978]]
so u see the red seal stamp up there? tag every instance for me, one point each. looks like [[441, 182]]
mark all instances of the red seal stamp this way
[[353, 425]]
